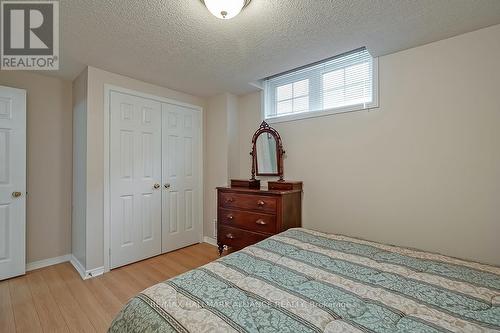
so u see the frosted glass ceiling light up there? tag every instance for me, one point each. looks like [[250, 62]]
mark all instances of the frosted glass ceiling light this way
[[225, 9]]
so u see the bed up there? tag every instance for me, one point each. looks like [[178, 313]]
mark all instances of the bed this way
[[307, 281]]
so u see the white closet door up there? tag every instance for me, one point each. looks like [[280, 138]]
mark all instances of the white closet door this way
[[135, 178], [12, 182], [181, 218]]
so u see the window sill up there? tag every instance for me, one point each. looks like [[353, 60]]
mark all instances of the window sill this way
[[323, 113]]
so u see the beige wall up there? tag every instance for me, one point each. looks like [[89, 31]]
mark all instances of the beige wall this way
[[49, 141], [233, 134], [95, 150], [221, 152], [216, 157], [423, 170]]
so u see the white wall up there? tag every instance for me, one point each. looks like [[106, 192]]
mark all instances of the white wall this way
[[49, 141], [79, 214], [421, 171]]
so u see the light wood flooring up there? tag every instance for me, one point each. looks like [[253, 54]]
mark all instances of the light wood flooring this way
[[56, 299]]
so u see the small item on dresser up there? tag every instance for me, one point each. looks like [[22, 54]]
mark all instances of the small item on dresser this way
[[285, 185], [246, 183]]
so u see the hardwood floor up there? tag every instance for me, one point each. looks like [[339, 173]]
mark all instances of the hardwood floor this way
[[56, 299]]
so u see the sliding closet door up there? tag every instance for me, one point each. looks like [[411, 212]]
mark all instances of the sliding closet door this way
[[181, 218], [135, 178], [12, 182]]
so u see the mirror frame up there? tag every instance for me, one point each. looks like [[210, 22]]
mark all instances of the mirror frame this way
[[265, 128]]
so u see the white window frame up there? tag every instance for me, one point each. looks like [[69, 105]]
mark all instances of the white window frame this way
[[321, 113]]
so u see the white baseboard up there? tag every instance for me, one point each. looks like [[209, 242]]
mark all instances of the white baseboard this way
[[209, 240], [84, 274], [94, 272], [47, 262], [78, 266]]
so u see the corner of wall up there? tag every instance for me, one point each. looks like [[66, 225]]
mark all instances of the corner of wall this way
[[221, 151], [79, 191]]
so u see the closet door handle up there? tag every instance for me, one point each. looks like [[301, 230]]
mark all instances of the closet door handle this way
[[16, 194], [156, 186], [167, 186]]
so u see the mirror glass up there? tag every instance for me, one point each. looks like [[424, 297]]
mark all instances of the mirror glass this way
[[267, 155]]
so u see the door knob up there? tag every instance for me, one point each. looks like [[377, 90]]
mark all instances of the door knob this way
[[16, 194], [167, 185], [156, 186]]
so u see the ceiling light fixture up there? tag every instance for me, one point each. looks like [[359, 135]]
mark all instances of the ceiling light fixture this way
[[225, 9]]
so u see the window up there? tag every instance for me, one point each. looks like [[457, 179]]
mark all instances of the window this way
[[292, 97], [340, 84]]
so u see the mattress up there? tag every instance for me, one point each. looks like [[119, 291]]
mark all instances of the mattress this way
[[307, 281]]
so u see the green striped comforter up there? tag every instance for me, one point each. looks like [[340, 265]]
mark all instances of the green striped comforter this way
[[306, 281]]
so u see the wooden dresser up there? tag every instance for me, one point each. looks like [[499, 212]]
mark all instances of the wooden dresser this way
[[247, 216]]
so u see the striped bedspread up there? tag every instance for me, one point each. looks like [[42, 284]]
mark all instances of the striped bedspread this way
[[306, 281]]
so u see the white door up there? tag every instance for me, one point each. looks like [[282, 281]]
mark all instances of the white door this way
[[135, 178], [12, 182], [181, 219]]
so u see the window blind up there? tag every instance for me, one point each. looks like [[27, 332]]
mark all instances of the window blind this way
[[334, 84]]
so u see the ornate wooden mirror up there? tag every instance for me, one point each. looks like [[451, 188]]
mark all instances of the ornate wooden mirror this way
[[267, 152]]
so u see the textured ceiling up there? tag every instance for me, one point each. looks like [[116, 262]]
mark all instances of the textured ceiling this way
[[180, 45]]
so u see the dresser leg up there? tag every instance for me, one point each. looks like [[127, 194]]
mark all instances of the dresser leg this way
[[220, 248]]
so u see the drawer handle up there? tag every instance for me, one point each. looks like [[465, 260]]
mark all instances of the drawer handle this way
[[230, 236], [261, 203], [230, 217], [261, 222], [229, 200]]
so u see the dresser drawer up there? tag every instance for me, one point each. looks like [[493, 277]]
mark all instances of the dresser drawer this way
[[250, 221], [248, 201], [238, 238]]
